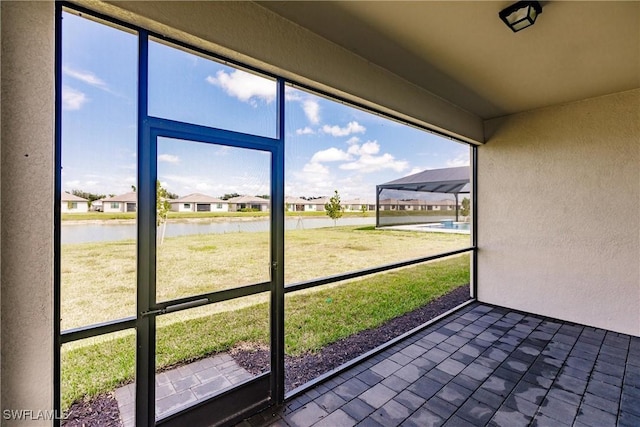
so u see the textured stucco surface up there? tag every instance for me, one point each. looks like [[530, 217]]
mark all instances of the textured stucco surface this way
[[26, 202], [559, 212], [250, 33], [0, 209]]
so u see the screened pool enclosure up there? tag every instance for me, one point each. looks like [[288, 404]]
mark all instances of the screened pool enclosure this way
[[430, 196]]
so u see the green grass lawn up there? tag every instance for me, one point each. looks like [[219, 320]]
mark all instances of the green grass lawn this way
[[99, 279], [313, 319]]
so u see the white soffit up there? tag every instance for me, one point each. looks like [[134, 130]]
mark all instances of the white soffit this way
[[462, 52]]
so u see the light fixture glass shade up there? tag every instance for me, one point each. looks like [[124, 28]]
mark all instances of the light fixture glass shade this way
[[521, 15]]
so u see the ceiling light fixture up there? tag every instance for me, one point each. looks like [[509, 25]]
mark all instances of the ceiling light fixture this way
[[521, 15]]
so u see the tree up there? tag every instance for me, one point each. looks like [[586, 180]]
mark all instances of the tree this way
[[134, 188], [229, 196], [364, 209], [162, 208], [334, 208], [86, 195], [466, 207]]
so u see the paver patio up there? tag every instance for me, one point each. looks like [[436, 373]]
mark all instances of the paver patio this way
[[183, 386], [483, 365]]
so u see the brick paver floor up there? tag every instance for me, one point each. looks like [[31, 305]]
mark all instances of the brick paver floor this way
[[183, 386], [482, 366]]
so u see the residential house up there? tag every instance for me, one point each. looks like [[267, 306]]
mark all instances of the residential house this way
[[244, 203], [197, 202], [438, 205], [126, 202], [416, 205], [355, 205], [294, 204], [316, 205], [70, 203], [96, 205], [392, 205]]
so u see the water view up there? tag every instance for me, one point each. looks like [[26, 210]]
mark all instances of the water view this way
[[113, 230]]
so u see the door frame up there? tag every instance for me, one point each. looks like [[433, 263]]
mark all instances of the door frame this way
[[258, 392], [266, 389]]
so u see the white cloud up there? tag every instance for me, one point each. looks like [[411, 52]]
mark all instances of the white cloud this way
[[353, 140], [315, 168], [168, 158], [330, 155], [185, 184], [305, 131], [72, 99], [365, 155], [352, 127], [369, 147], [291, 94], [311, 110], [244, 86], [130, 166], [203, 186], [369, 163], [310, 106], [416, 170], [313, 180], [86, 77], [461, 160]]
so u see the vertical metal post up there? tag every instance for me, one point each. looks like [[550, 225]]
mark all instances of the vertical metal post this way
[[456, 206], [146, 265], [277, 253], [377, 206], [57, 190], [474, 219]]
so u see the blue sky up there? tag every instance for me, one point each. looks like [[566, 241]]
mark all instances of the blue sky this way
[[329, 145]]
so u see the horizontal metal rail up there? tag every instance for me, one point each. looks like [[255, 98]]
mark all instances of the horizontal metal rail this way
[[165, 307], [212, 297], [97, 329], [364, 272]]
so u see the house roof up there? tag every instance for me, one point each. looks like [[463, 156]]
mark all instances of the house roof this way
[[295, 200], [132, 196], [447, 180], [197, 198], [68, 197], [417, 202], [357, 202], [321, 201], [248, 199]]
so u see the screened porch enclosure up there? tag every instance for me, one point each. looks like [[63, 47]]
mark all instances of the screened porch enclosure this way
[[552, 115]]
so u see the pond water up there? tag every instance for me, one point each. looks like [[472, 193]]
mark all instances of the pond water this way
[[106, 231]]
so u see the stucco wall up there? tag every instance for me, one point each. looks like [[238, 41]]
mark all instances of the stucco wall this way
[[559, 212], [26, 180]]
